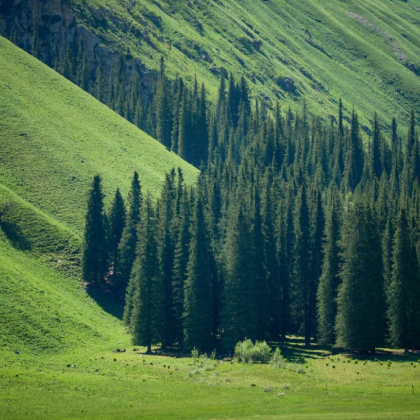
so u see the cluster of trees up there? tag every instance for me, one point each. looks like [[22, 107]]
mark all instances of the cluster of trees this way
[[294, 226]]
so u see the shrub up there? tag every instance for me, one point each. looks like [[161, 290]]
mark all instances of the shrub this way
[[247, 352], [277, 360]]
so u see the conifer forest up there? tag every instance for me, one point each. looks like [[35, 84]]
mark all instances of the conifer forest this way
[[295, 226], [209, 209]]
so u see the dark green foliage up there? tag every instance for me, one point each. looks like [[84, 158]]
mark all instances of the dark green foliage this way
[[166, 247], [247, 253], [117, 219], [128, 243], [94, 239], [180, 268], [146, 282], [302, 265], [198, 311], [239, 317], [329, 281], [360, 317], [404, 290]]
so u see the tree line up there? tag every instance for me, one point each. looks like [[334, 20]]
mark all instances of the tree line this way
[[294, 227]]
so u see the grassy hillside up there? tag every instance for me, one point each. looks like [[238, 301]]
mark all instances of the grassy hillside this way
[[358, 50], [54, 138]]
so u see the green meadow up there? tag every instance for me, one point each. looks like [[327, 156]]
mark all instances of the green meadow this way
[[95, 382]]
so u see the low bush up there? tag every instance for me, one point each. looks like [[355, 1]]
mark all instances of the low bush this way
[[277, 360], [248, 352]]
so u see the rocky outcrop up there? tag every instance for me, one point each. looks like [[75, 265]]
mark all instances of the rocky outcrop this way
[[59, 25]]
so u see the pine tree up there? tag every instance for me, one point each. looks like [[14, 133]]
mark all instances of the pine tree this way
[[404, 290], [100, 83], [147, 302], [317, 230], [128, 243], [179, 275], [163, 111], [329, 281], [117, 220], [198, 311], [239, 315], [166, 251], [94, 244], [36, 48], [260, 266], [302, 256], [360, 314], [85, 74], [376, 164]]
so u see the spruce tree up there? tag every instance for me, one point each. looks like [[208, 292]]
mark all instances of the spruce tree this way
[[117, 219], [94, 242], [166, 251], [404, 290], [128, 243], [239, 315], [302, 262], [147, 301], [198, 311], [360, 314], [375, 153], [260, 267], [180, 269], [329, 281]]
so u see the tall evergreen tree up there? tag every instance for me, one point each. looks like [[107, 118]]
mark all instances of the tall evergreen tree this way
[[198, 311], [329, 281], [117, 219], [302, 258], [360, 315], [404, 290], [94, 242], [239, 316], [128, 243], [147, 301]]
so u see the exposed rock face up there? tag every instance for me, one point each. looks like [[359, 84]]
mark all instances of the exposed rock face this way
[[287, 84], [59, 27]]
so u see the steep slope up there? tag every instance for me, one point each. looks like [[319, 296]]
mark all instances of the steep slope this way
[[363, 51], [53, 138]]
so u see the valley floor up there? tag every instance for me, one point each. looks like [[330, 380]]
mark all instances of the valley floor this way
[[99, 383]]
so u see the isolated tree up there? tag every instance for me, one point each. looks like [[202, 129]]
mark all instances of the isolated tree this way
[[94, 240]]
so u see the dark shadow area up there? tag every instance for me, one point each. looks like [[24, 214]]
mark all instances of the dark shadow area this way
[[106, 301], [15, 236]]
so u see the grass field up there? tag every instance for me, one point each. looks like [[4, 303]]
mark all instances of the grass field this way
[[98, 383], [354, 49]]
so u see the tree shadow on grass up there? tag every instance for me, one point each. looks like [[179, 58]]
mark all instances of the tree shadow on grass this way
[[14, 234], [106, 301]]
